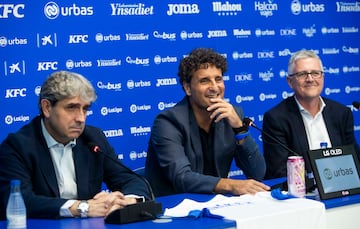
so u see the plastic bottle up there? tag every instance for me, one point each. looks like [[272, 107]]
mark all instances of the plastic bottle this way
[[15, 210]]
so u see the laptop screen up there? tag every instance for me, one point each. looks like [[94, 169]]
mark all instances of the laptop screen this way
[[336, 171]]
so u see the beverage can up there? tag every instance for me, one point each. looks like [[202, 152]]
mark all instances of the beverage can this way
[[296, 176]]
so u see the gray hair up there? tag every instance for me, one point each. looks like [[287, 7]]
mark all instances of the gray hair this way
[[302, 54], [63, 84]]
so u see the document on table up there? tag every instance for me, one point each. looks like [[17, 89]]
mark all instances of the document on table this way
[[259, 211]]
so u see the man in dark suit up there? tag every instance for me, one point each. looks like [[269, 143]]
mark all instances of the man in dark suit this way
[[193, 144], [54, 158], [305, 121]]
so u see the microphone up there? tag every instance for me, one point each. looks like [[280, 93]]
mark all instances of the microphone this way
[[249, 122], [309, 182], [135, 212], [356, 105]]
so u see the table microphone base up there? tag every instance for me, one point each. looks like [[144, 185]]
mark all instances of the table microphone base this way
[[135, 212]]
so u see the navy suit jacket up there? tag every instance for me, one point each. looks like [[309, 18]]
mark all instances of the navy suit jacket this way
[[25, 156], [284, 122], [175, 163]]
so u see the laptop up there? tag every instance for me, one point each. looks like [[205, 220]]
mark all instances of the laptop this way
[[336, 171]]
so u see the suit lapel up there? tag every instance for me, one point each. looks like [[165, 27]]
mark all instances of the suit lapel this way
[[48, 170], [81, 163], [299, 127], [195, 142]]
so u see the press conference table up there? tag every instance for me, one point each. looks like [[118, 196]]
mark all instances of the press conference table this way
[[340, 213]]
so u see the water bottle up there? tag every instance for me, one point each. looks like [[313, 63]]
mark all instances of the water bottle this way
[[15, 210]]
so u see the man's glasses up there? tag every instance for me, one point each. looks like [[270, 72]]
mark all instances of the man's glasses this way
[[303, 75]]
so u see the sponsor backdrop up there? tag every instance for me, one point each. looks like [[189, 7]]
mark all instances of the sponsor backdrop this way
[[130, 51]]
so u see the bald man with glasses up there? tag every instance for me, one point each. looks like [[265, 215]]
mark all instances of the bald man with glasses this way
[[305, 121]]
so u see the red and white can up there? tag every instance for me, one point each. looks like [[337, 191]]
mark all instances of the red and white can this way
[[296, 176]]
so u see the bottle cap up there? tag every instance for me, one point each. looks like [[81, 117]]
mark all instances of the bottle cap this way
[[15, 182]]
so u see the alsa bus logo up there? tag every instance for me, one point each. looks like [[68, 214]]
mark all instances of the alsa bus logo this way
[[332, 152], [6, 10]]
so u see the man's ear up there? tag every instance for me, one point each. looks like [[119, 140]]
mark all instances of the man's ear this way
[[45, 107], [289, 81], [187, 88]]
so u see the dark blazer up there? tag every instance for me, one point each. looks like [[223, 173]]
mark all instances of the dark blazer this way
[[25, 156], [284, 122], [174, 162]]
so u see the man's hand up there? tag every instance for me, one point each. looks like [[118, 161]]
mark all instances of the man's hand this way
[[223, 110], [103, 203], [239, 187]]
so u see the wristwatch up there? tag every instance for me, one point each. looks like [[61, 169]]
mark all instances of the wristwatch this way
[[83, 208]]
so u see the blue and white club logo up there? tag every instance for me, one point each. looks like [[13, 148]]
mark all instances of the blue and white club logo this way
[[51, 10]]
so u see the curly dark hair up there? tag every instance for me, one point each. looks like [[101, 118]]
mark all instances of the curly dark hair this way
[[197, 59]]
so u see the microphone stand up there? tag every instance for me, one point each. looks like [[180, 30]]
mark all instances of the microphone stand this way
[[309, 182], [135, 212]]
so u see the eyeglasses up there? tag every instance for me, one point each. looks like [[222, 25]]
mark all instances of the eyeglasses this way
[[303, 75]]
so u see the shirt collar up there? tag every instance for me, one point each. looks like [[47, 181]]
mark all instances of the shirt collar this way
[[50, 141], [303, 110]]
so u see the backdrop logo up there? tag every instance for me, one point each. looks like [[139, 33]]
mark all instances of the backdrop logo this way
[[266, 9], [352, 50], [285, 52], [11, 119], [266, 32], [244, 55], [345, 7], [108, 63], [52, 10], [14, 68], [45, 40], [240, 99], [241, 33], [244, 77], [135, 108], [350, 69], [110, 110], [109, 86], [264, 96], [16, 92], [14, 41], [131, 84], [70, 64], [137, 37], [168, 59], [329, 91], [226, 9], [78, 38], [137, 61], [309, 32], [113, 133], [99, 38], [164, 36], [166, 82], [123, 9], [182, 9], [266, 76], [140, 131], [194, 35], [297, 7], [162, 106], [11, 9], [217, 33], [47, 65], [286, 94]]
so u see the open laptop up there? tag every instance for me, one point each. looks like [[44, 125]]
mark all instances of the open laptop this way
[[336, 171]]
